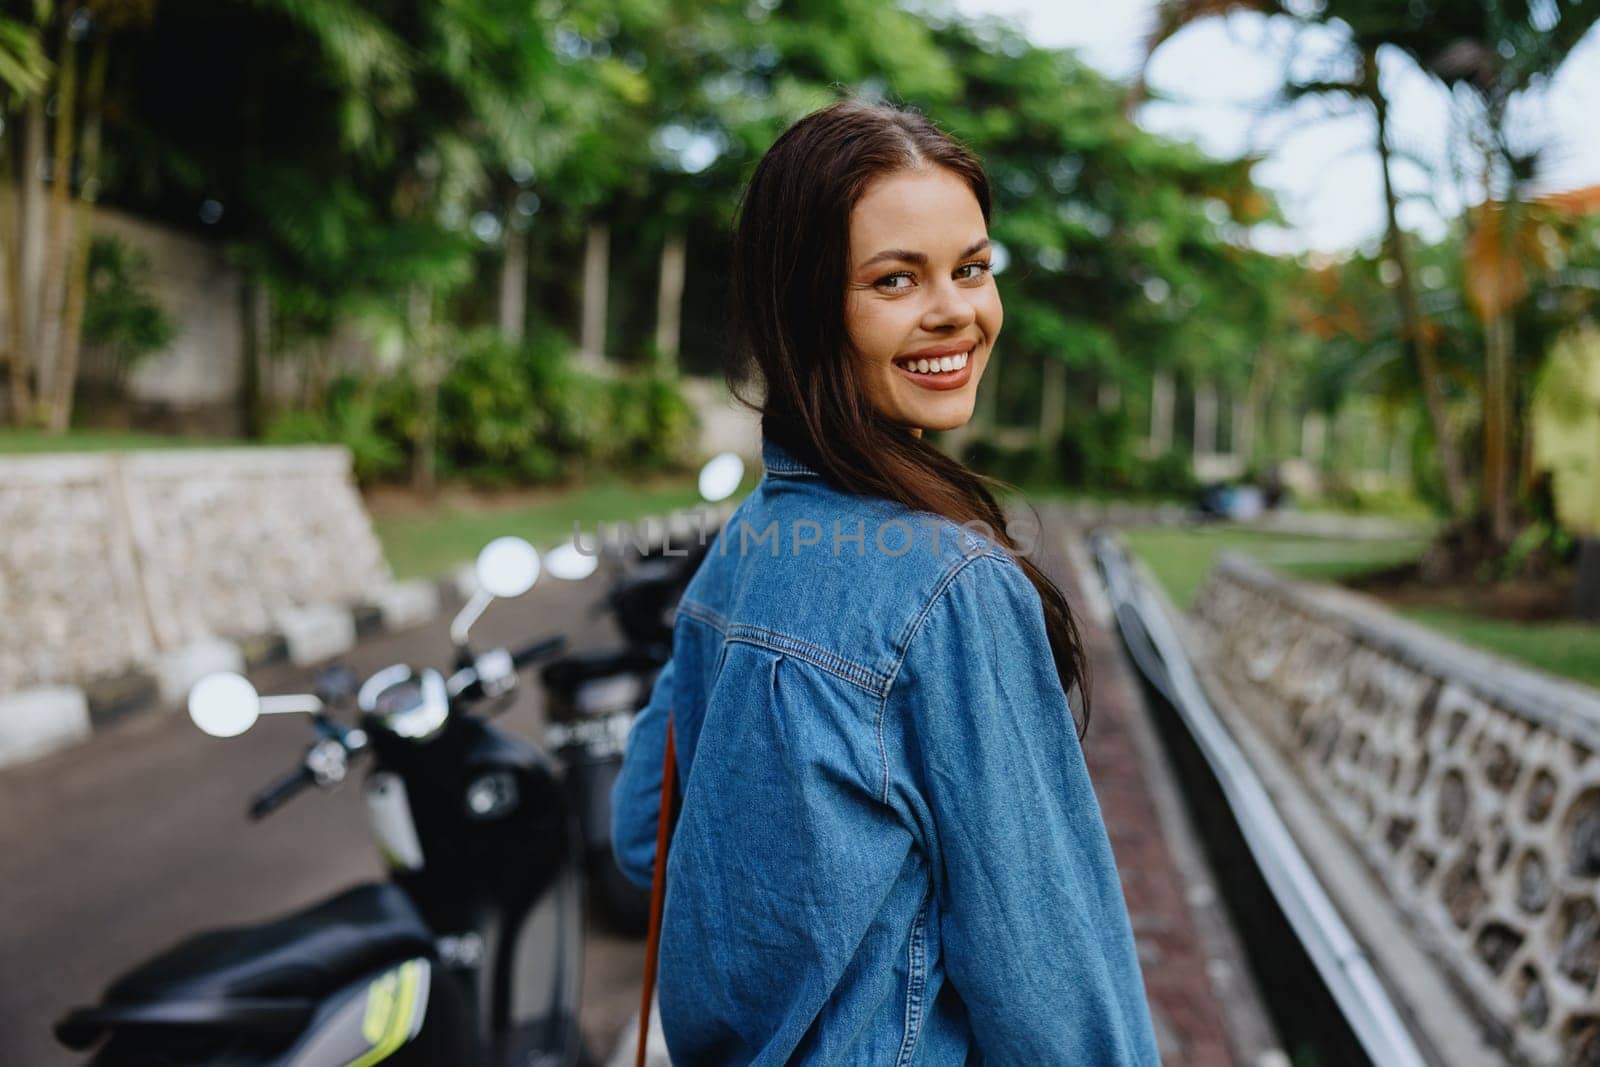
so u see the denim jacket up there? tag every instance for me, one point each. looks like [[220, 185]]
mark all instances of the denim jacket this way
[[888, 850]]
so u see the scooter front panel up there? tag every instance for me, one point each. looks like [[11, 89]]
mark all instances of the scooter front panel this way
[[406, 1014]]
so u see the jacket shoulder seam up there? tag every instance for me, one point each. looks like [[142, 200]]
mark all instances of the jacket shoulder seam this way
[[695, 610], [778, 641]]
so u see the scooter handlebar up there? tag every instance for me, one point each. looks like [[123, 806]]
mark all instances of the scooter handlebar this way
[[278, 793], [537, 651]]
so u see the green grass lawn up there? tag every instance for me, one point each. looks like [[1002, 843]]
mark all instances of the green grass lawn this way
[[37, 441], [427, 545], [1570, 649], [1180, 557]]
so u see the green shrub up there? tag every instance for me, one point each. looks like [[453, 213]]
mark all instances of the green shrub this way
[[653, 427], [1102, 451], [508, 414], [494, 424], [1028, 466], [358, 415], [119, 313]]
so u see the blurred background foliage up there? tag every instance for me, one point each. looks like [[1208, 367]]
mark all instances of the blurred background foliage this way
[[456, 180]]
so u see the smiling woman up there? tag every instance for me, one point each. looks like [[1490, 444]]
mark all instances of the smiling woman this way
[[888, 849]]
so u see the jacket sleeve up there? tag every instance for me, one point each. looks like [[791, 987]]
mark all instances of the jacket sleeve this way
[[1033, 926], [636, 794]]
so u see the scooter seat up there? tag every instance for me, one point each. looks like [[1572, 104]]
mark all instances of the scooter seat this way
[[569, 672], [266, 970], [306, 954]]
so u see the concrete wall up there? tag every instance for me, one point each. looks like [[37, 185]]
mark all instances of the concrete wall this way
[[194, 283], [725, 424], [1469, 785], [194, 383]]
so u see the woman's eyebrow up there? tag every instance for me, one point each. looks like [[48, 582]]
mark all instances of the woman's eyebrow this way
[[919, 258]]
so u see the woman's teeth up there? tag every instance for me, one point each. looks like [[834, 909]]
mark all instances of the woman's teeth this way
[[936, 366]]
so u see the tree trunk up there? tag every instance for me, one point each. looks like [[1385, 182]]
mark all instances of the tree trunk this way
[[596, 276], [1242, 434], [1586, 596], [514, 284], [16, 369], [1052, 402], [1163, 397], [1108, 396], [1496, 427], [669, 300], [77, 280], [1314, 438], [256, 315], [1205, 419], [1499, 354], [986, 405], [1417, 335], [424, 476], [27, 274], [15, 351], [58, 255]]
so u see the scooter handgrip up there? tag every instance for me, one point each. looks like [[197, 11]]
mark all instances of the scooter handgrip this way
[[538, 651], [273, 796]]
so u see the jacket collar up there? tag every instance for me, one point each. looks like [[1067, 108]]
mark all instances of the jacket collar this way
[[779, 460]]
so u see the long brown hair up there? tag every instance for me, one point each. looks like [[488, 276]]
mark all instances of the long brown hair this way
[[790, 256]]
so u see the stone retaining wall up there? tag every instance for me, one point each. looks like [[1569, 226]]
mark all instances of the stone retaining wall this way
[[154, 567], [1470, 785]]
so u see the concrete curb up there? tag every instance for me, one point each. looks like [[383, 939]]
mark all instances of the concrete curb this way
[[37, 721]]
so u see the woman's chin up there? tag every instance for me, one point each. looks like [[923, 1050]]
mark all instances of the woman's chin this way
[[943, 416]]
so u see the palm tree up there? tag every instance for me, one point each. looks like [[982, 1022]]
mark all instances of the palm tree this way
[[1495, 50], [1369, 24], [24, 74]]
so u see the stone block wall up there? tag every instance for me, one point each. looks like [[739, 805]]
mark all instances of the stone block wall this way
[[1470, 785], [108, 560]]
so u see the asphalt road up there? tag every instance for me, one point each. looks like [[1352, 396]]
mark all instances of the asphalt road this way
[[113, 849]]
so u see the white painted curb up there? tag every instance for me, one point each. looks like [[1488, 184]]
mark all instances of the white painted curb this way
[[35, 722], [407, 604], [178, 670], [316, 632]]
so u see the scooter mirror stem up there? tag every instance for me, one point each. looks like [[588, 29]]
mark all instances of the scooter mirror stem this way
[[462, 623], [291, 704]]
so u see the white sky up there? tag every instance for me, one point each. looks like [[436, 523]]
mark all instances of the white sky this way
[[1221, 74]]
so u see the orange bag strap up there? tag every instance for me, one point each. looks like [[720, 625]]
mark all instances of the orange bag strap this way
[[658, 891]]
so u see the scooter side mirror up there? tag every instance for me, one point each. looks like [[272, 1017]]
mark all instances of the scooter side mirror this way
[[720, 477], [507, 567], [224, 705], [570, 563]]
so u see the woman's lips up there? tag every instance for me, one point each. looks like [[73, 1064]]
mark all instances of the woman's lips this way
[[942, 380]]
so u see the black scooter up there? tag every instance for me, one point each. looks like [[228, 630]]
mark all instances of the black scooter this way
[[471, 953], [592, 697]]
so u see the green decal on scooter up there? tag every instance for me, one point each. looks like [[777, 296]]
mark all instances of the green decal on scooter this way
[[391, 1002]]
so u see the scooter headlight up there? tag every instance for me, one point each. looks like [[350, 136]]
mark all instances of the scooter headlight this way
[[492, 795]]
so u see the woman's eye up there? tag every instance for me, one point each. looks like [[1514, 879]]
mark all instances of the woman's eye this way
[[978, 270], [888, 282]]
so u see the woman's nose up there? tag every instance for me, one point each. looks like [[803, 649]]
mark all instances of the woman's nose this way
[[949, 306]]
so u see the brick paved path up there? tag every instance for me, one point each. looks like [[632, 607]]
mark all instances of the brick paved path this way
[[1187, 1012]]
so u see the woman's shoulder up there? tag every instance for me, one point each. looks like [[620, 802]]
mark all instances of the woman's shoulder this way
[[851, 576]]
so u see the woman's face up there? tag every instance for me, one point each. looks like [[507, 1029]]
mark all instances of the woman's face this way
[[919, 289]]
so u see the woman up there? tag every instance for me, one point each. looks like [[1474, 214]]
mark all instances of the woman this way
[[888, 851]]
